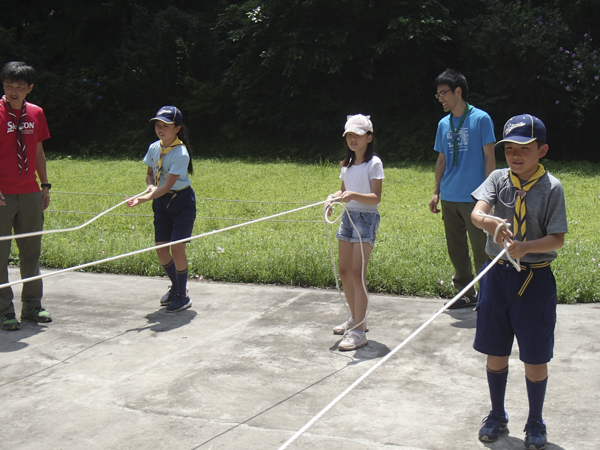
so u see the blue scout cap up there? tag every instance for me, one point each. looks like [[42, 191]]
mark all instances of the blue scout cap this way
[[169, 114], [523, 129]]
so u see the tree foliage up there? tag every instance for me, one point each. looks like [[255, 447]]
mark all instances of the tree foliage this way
[[524, 65], [274, 77]]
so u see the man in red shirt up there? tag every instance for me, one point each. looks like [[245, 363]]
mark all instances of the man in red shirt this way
[[23, 127]]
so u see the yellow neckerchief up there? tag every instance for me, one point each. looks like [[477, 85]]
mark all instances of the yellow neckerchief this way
[[520, 211], [163, 151]]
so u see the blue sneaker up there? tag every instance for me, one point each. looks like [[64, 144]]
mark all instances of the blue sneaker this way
[[535, 435], [179, 303], [170, 295], [493, 426]]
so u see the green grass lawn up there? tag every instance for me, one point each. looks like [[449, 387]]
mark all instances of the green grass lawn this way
[[409, 258]]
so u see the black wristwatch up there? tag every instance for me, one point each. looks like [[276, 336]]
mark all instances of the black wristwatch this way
[[48, 185]]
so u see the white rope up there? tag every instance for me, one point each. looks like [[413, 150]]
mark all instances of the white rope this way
[[197, 198], [335, 276], [64, 230], [502, 224], [197, 217], [362, 254], [311, 422], [168, 244], [388, 356]]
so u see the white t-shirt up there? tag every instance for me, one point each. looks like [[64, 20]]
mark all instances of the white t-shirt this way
[[358, 179]]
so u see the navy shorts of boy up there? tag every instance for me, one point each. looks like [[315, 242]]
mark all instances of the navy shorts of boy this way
[[174, 215], [503, 314], [367, 224]]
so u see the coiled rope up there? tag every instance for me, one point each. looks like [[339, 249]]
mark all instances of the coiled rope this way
[[334, 201]]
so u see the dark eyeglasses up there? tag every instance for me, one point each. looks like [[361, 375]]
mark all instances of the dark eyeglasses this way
[[442, 93]]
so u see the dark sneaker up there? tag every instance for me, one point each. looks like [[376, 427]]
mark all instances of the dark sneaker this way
[[179, 303], [493, 426], [39, 315], [170, 295], [464, 302], [535, 435], [10, 322]]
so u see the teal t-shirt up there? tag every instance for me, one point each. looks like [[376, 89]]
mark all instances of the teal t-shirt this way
[[459, 181]]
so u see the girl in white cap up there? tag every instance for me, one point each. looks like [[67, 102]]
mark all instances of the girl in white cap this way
[[362, 176]]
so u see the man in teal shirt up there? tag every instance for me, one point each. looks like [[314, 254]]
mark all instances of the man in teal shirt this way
[[465, 145]]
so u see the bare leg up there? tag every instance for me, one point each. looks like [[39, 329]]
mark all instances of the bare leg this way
[[164, 254], [497, 362], [346, 249], [536, 372], [360, 296], [178, 252]]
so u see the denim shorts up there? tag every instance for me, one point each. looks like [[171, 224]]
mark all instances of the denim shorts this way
[[174, 215], [367, 224]]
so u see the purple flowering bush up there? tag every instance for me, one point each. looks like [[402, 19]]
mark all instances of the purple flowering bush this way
[[577, 71], [523, 58]]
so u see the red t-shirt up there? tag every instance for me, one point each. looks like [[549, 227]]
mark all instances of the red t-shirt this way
[[35, 129]]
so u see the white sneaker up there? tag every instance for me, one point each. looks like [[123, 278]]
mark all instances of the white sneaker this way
[[353, 340], [341, 329]]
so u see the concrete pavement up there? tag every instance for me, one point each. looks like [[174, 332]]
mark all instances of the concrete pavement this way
[[247, 366]]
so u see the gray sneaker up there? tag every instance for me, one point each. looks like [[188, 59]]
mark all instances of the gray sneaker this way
[[352, 341], [341, 329]]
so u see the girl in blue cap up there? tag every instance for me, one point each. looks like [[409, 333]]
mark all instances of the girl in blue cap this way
[[173, 200]]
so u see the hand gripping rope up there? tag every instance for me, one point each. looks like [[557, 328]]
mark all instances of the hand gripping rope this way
[[311, 422], [64, 230], [362, 254], [502, 224]]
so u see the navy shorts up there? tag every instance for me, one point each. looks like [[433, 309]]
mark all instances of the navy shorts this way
[[174, 215], [521, 304], [367, 224]]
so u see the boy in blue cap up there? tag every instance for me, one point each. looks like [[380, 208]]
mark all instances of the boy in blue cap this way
[[519, 303]]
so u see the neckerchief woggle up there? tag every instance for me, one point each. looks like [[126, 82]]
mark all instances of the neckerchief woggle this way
[[519, 223], [163, 151], [455, 133]]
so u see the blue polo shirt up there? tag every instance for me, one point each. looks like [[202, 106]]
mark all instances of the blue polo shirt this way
[[175, 162]]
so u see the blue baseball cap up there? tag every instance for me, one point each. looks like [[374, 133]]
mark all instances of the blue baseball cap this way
[[169, 114], [523, 129]]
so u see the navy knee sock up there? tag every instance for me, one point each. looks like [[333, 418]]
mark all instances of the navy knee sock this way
[[536, 392], [497, 383], [171, 273], [182, 276]]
